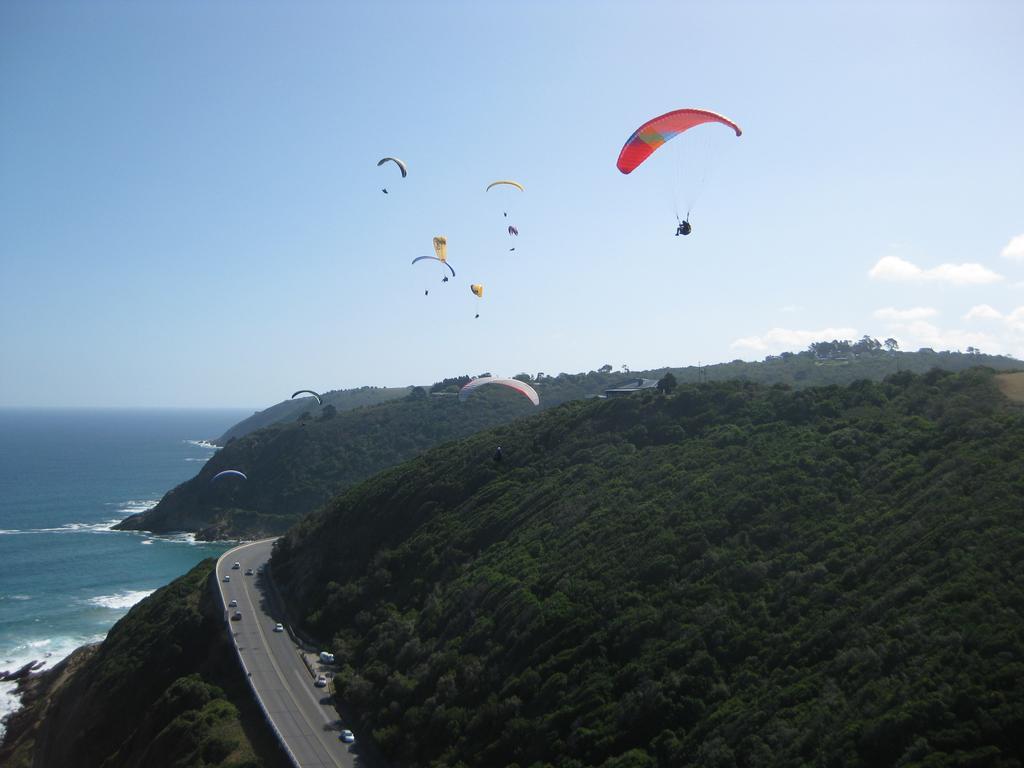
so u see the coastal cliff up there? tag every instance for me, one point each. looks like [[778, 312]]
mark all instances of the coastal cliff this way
[[163, 689]]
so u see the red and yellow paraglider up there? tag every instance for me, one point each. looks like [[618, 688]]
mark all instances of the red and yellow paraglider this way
[[650, 136], [655, 132]]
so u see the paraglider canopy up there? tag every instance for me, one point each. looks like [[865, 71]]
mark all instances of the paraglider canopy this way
[[511, 183], [319, 401], [401, 166], [441, 247], [652, 134], [516, 384], [229, 473], [477, 289], [434, 258]]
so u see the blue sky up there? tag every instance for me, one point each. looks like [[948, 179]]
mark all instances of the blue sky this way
[[190, 207]]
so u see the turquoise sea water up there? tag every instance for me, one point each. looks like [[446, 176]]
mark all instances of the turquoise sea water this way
[[66, 476]]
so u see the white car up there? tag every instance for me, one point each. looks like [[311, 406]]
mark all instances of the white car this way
[[233, 604], [236, 566], [321, 682], [227, 577], [347, 736], [279, 627]]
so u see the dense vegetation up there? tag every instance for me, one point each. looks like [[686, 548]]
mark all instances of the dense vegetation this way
[[163, 689], [824, 362], [289, 410], [728, 575], [294, 467], [309, 454]]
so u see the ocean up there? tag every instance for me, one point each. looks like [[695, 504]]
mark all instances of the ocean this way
[[66, 476]]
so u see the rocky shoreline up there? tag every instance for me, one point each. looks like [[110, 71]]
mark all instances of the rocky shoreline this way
[[35, 689], [21, 672]]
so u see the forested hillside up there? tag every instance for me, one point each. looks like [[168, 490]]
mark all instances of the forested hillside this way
[[293, 467], [312, 453], [728, 575], [288, 410], [163, 689], [825, 362]]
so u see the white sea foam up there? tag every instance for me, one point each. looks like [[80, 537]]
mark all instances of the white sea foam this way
[[203, 444], [121, 600], [50, 651], [185, 537], [204, 459], [9, 703], [134, 506], [103, 527]]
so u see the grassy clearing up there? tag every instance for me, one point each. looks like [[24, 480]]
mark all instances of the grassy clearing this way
[[1012, 385]]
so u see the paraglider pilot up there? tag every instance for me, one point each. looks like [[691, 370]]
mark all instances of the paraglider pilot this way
[[684, 228]]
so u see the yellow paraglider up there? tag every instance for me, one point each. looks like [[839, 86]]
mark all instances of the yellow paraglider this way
[[441, 247], [511, 183], [478, 291]]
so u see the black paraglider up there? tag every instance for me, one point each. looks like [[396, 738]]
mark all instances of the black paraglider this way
[[319, 400], [684, 228]]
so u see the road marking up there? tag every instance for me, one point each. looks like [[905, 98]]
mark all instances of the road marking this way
[[280, 674]]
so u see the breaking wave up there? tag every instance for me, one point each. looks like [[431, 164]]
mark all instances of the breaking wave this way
[[120, 600]]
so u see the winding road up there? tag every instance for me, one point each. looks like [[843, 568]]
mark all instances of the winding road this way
[[303, 716]]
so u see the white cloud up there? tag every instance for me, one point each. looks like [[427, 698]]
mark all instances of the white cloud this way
[[983, 312], [1003, 335], [963, 274], [895, 269], [791, 308], [923, 334], [1015, 320], [915, 313], [1014, 249], [788, 340]]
